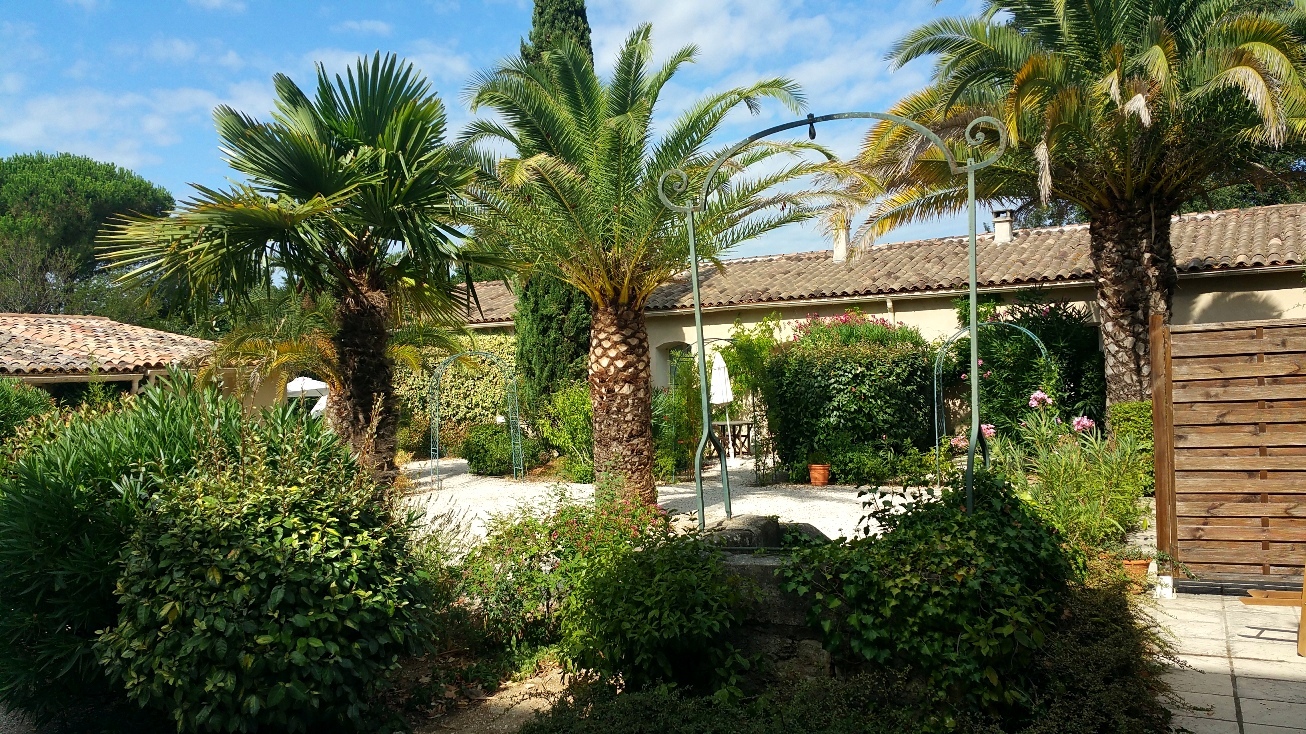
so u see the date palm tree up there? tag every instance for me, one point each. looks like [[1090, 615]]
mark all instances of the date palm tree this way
[[1126, 108], [576, 197], [353, 194]]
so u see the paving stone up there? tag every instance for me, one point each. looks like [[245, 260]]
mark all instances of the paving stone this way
[[1273, 713], [1217, 706], [1205, 726], [1293, 691], [1271, 670], [1263, 729], [1196, 681]]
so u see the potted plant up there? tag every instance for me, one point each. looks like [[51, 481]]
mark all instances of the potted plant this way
[[818, 467], [1136, 562]]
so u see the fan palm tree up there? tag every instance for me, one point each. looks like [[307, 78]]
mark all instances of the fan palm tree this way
[[352, 194], [577, 199], [1127, 108]]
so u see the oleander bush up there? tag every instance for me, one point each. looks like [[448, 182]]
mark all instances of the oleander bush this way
[[1013, 366], [566, 425], [1081, 481], [273, 589], [68, 503], [961, 602]]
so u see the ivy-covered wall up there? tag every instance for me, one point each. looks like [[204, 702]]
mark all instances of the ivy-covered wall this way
[[472, 391]]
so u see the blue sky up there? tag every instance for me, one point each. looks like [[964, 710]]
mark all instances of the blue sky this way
[[135, 81]]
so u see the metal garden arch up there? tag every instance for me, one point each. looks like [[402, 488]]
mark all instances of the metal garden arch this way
[[940, 416], [514, 422], [698, 200]]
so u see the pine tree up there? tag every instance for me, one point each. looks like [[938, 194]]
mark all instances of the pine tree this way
[[553, 317], [554, 20]]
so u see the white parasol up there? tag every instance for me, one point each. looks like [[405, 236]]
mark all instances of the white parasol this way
[[305, 387], [722, 394]]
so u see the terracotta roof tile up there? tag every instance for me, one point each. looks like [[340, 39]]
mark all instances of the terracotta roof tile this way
[[46, 344], [1232, 239]]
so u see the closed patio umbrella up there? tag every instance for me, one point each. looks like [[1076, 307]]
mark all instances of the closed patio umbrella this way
[[722, 394]]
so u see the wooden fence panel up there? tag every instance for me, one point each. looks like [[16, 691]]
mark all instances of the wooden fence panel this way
[[1229, 423]]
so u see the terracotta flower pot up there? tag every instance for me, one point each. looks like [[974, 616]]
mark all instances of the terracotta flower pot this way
[[1137, 572], [819, 473]]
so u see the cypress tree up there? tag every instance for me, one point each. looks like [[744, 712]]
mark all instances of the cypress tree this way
[[553, 317], [554, 20]]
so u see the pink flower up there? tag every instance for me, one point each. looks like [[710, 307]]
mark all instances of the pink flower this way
[[959, 442], [1039, 399], [980, 362], [1083, 423], [963, 376], [988, 374], [988, 430]]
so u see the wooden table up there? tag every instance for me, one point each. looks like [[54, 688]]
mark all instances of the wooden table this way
[[741, 436]]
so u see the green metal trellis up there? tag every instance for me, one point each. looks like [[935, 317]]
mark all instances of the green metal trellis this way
[[513, 418], [680, 185], [940, 415]]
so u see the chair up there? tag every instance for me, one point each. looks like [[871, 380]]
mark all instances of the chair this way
[[1261, 598]]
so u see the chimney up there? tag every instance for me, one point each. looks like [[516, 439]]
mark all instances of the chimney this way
[[1002, 221], [841, 240]]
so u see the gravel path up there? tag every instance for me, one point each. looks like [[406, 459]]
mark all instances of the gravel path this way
[[471, 499]]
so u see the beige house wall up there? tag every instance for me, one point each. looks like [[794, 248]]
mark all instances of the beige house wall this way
[[1240, 297]]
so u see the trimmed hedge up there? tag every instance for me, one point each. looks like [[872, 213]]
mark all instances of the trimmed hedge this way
[[1132, 418], [835, 397]]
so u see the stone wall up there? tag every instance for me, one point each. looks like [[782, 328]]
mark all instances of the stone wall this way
[[778, 631]]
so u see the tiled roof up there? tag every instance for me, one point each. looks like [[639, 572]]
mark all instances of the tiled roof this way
[[33, 344], [1203, 242]]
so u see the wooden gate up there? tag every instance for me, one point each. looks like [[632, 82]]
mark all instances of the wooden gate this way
[[1229, 419]]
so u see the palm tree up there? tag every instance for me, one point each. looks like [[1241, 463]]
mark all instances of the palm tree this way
[[1126, 108], [352, 194], [578, 200]]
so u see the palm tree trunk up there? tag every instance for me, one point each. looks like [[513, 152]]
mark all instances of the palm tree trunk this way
[[365, 412], [1135, 279], [620, 392]]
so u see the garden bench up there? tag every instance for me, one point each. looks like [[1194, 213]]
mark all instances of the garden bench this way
[[1261, 598]]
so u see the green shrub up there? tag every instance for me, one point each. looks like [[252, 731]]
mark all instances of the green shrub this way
[[1084, 484], [19, 403], [862, 704], [517, 578], [1132, 418], [652, 613], [962, 601], [68, 504], [488, 450], [1099, 670], [566, 425], [273, 590], [829, 395]]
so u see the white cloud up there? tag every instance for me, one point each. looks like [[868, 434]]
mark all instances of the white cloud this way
[[440, 63], [231, 5], [376, 27], [132, 129], [173, 50], [88, 4], [11, 83]]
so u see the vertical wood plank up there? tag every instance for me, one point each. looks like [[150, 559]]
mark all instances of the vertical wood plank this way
[[1163, 435]]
